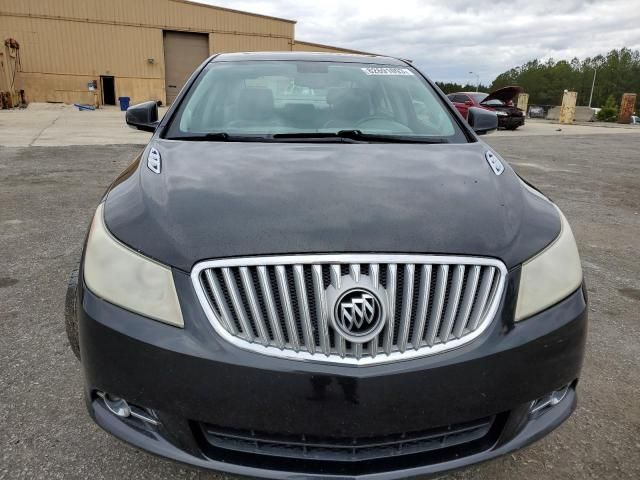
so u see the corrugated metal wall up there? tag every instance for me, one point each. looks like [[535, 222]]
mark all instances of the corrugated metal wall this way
[[222, 43], [63, 47], [300, 46], [164, 14], [67, 43]]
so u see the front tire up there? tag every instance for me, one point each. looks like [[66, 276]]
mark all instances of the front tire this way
[[70, 313]]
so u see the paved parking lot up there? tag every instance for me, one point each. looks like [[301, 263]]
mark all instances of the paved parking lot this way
[[47, 195], [54, 125]]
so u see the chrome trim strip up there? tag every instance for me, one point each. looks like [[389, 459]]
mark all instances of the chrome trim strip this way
[[219, 299], [407, 301], [270, 303], [485, 285], [303, 307], [354, 271], [452, 306], [467, 301], [336, 279], [285, 301], [374, 275], [334, 261], [392, 272], [438, 304], [252, 298], [423, 307], [321, 310], [236, 302], [336, 276]]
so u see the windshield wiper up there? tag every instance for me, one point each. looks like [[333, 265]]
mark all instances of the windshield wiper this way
[[219, 137], [358, 135], [351, 136], [331, 137]]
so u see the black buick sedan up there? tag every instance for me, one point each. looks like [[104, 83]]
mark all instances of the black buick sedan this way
[[316, 269]]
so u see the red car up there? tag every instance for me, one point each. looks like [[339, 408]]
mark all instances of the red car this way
[[499, 101]]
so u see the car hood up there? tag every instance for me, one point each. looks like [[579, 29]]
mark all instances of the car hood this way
[[505, 94], [215, 200]]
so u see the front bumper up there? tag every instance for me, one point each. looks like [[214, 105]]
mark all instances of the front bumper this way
[[510, 121], [190, 378]]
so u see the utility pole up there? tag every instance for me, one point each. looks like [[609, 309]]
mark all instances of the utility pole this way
[[477, 80], [595, 70]]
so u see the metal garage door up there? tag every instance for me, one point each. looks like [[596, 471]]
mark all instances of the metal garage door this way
[[183, 52]]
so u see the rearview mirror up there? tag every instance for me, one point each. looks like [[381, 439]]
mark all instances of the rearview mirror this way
[[143, 116], [482, 121]]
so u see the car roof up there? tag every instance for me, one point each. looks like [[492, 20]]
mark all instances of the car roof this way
[[309, 56]]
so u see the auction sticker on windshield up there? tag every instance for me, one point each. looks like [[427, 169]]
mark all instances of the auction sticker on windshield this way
[[386, 71]]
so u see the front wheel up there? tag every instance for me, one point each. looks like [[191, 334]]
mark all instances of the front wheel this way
[[70, 313]]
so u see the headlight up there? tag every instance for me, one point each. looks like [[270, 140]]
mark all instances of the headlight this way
[[500, 113], [551, 275], [125, 278]]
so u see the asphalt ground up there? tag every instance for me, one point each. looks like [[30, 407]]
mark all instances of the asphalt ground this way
[[48, 194], [57, 125]]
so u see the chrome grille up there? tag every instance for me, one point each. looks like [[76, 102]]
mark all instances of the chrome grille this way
[[278, 305]]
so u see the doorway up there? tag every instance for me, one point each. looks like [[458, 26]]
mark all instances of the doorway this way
[[183, 52], [108, 88]]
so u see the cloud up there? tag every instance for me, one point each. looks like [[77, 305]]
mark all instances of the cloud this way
[[450, 38]]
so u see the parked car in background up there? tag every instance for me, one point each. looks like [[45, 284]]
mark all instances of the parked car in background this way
[[635, 120], [500, 101], [536, 111]]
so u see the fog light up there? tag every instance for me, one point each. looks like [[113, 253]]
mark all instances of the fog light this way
[[549, 400], [121, 408], [115, 405]]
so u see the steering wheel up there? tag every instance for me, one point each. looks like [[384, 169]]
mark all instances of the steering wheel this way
[[383, 118], [433, 123]]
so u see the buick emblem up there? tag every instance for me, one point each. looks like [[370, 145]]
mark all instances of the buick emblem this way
[[358, 314]]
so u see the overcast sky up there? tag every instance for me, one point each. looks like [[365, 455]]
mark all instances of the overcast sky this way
[[450, 38]]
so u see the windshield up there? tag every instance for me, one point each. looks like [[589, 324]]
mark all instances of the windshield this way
[[267, 98], [479, 97]]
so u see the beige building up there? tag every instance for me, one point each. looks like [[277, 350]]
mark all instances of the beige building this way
[[143, 49]]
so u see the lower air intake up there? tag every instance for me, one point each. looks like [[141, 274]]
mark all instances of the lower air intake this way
[[346, 449]]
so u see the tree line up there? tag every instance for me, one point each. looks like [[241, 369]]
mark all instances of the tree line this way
[[452, 87], [617, 72]]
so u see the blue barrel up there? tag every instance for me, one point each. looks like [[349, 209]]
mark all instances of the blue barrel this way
[[124, 103]]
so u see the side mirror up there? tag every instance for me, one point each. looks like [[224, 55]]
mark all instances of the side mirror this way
[[482, 121], [469, 103], [143, 116]]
